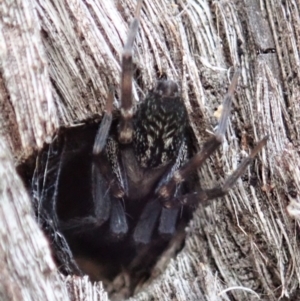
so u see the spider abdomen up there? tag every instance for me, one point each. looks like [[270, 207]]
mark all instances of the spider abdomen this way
[[160, 126]]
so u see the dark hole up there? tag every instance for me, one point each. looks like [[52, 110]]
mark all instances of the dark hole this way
[[59, 179]]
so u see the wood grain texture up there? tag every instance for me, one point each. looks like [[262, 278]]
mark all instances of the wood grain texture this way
[[58, 60]]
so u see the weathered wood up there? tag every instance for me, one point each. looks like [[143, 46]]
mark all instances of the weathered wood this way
[[58, 60]]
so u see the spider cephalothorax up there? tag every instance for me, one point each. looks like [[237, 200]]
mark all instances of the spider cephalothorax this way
[[128, 187]]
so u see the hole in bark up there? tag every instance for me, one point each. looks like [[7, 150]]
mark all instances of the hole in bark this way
[[59, 179]]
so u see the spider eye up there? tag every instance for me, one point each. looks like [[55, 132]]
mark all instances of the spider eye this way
[[167, 88]]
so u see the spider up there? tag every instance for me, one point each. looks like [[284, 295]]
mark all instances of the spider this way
[[143, 160], [136, 168]]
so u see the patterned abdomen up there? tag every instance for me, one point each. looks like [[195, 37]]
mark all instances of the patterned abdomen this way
[[160, 126]]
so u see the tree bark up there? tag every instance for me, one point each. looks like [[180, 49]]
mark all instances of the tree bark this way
[[58, 60]]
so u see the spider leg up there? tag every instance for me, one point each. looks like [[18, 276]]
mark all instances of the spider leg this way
[[105, 188], [104, 184], [100, 167], [167, 222], [118, 222], [103, 131], [100, 195], [106, 204], [167, 188], [127, 104], [154, 212], [205, 195], [144, 229], [107, 193]]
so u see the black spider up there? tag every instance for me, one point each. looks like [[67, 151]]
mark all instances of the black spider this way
[[129, 187], [145, 160]]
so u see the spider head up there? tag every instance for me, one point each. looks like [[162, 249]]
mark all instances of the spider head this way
[[159, 126], [167, 88]]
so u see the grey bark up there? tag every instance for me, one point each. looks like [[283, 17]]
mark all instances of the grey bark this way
[[58, 59]]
